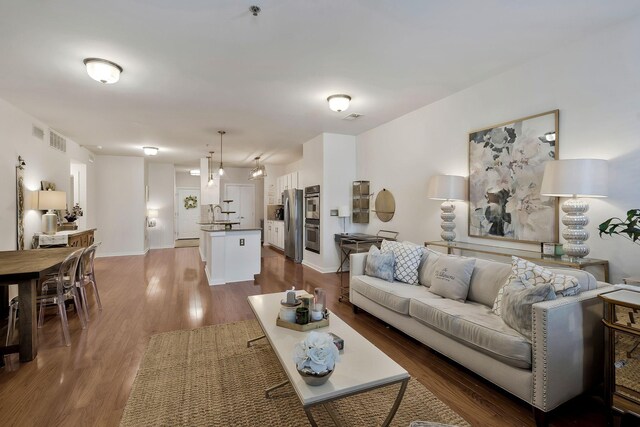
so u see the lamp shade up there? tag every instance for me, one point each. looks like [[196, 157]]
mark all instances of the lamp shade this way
[[575, 177], [343, 211], [49, 200], [446, 187]]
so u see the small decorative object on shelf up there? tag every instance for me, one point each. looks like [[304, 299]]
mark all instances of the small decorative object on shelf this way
[[319, 304], [548, 249], [315, 357]]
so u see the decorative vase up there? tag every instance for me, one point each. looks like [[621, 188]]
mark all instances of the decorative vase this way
[[313, 378]]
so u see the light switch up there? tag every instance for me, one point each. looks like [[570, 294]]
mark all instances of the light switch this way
[[241, 242]]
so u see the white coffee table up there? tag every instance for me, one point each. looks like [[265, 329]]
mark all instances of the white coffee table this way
[[362, 366]]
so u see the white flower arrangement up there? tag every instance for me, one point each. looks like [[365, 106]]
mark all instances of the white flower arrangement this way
[[317, 352]]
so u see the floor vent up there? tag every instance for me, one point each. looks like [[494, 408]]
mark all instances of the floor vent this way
[[37, 132], [352, 116], [57, 141]]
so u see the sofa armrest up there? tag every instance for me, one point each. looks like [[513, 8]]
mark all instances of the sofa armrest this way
[[356, 264], [567, 345]]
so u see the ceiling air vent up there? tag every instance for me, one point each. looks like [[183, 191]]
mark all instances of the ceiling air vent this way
[[37, 132], [352, 116], [57, 141]]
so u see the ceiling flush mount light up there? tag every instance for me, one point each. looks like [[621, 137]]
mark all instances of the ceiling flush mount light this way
[[258, 172], [194, 172], [150, 151], [221, 170], [103, 71], [339, 103]]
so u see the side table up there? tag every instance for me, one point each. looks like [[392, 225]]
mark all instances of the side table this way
[[622, 352]]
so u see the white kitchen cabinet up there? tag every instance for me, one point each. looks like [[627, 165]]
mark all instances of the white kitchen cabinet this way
[[281, 235], [294, 180]]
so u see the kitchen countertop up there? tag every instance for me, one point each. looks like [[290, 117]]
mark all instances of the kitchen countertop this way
[[220, 228]]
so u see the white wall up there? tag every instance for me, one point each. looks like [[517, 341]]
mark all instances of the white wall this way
[[120, 184], [43, 163], [596, 85], [162, 197], [185, 179]]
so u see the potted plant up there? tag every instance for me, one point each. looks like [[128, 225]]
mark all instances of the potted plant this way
[[628, 228], [316, 357]]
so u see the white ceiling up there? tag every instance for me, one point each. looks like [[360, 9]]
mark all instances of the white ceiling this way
[[192, 67]]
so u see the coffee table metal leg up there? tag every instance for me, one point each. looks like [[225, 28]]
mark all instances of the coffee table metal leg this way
[[332, 413], [253, 340], [307, 410], [396, 404], [277, 386]]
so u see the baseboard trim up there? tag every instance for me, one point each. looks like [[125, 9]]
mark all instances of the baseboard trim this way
[[115, 254], [319, 269]]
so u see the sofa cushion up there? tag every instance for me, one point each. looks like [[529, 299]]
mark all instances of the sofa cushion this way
[[487, 279], [474, 325], [451, 277], [394, 296], [408, 257], [380, 265]]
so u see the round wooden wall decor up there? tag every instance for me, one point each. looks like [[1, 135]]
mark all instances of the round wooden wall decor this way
[[190, 202], [385, 205]]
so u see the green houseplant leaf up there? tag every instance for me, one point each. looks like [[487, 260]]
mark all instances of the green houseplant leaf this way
[[628, 228]]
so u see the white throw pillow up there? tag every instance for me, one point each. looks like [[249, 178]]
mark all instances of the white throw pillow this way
[[530, 274], [408, 257], [452, 276]]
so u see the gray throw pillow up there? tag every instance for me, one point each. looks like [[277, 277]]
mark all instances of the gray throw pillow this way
[[517, 301], [451, 277], [379, 264]]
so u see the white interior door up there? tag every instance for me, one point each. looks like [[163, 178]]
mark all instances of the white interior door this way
[[244, 204], [188, 227]]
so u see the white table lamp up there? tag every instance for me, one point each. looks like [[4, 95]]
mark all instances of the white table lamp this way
[[152, 214], [50, 201], [344, 213], [448, 188], [575, 178]]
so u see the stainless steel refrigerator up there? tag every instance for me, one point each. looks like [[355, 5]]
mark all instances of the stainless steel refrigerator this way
[[293, 224]]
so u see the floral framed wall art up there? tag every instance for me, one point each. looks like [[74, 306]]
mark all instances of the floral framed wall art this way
[[506, 165]]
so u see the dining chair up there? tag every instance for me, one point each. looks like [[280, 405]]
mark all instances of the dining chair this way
[[60, 288], [87, 277]]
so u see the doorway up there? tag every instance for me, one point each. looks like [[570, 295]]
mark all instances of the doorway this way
[[243, 205], [188, 213]]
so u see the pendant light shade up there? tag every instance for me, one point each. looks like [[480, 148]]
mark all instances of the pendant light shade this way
[[221, 169], [103, 71], [210, 169], [258, 172], [339, 102]]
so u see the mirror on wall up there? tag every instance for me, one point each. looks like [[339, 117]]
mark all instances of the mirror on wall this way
[[385, 205]]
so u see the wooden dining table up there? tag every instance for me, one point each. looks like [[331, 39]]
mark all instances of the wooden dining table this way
[[26, 268]]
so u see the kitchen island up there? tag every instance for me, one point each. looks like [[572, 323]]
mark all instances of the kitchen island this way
[[230, 255]]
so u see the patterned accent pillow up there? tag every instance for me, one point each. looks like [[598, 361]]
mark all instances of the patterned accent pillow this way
[[380, 265], [523, 270], [408, 257], [517, 302], [563, 285]]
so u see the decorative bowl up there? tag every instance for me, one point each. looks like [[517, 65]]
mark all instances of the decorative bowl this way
[[313, 378]]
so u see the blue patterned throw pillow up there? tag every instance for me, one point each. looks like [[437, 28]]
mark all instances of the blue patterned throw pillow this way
[[408, 257], [380, 265]]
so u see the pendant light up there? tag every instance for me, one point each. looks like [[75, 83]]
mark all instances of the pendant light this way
[[258, 172], [210, 168], [221, 170]]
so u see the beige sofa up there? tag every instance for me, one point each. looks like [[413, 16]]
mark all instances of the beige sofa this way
[[563, 360]]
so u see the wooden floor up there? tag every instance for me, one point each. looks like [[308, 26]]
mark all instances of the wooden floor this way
[[89, 382]]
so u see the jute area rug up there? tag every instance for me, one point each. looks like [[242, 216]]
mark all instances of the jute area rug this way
[[208, 377]]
